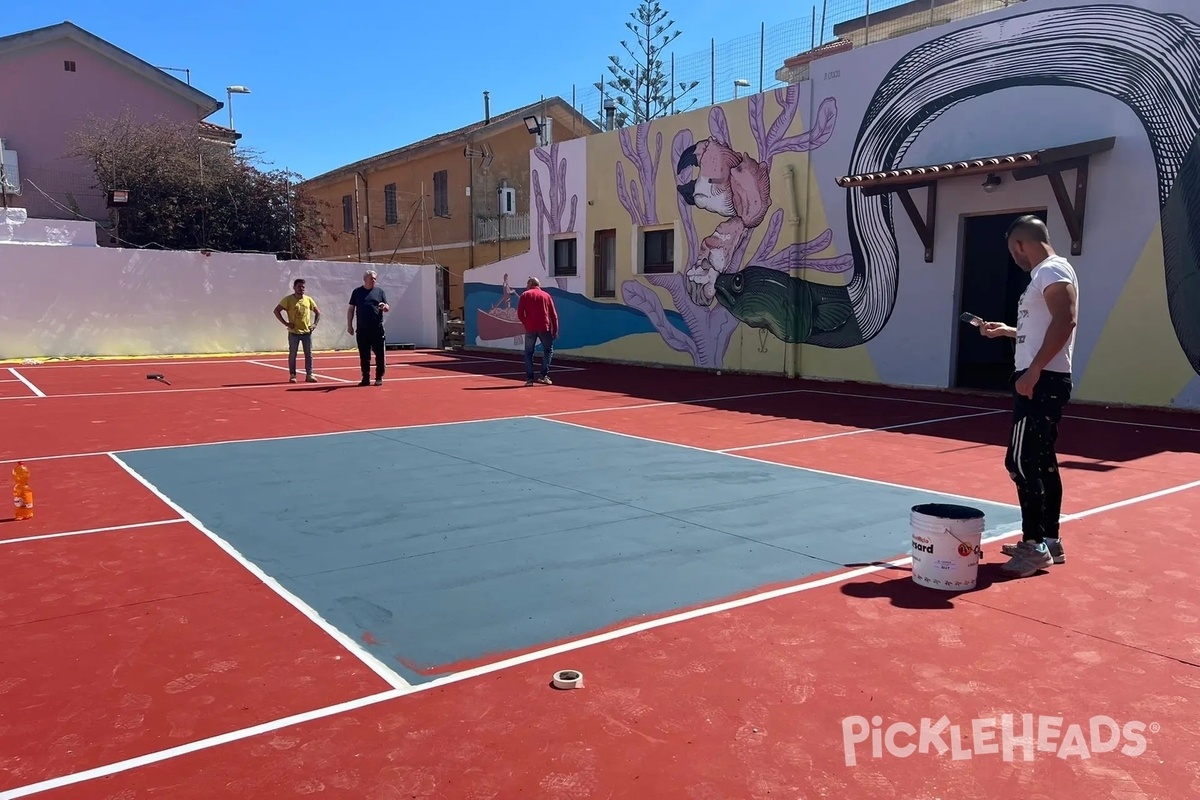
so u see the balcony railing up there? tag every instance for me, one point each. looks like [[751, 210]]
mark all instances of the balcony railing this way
[[489, 229]]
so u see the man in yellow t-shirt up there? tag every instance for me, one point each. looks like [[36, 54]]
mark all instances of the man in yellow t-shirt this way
[[302, 318]]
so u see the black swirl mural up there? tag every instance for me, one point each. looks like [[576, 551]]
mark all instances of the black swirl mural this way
[[1149, 61]]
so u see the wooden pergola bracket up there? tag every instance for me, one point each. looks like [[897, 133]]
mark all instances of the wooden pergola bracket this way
[[1072, 212], [926, 226]]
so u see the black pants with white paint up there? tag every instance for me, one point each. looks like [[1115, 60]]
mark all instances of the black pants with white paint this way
[[1031, 460]]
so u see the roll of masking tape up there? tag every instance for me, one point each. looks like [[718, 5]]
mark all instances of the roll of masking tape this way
[[568, 679]]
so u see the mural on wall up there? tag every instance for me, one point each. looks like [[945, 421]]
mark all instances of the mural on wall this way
[[733, 175], [720, 288], [557, 198], [499, 321], [1147, 60]]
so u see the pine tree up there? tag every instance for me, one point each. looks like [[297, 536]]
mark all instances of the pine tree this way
[[642, 89]]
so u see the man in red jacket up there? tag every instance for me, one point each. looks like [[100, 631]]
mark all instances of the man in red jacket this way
[[536, 311]]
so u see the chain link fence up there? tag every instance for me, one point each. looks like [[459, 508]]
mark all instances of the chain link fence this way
[[758, 61]]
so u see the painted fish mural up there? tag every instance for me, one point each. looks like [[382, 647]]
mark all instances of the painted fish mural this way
[[791, 308], [1147, 60]]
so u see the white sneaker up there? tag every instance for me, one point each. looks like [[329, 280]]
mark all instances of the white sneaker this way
[[1027, 559], [1053, 545]]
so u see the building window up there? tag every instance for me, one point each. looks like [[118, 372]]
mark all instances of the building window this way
[[347, 213], [441, 194], [68, 66], [564, 258], [390, 217], [658, 251], [606, 264]]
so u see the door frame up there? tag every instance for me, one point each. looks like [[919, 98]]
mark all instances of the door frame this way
[[960, 279]]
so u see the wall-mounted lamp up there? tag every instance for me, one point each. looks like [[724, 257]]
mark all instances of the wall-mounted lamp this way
[[742, 82], [991, 183], [536, 127]]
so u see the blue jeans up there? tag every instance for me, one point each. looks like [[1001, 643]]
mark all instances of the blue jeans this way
[[531, 340], [294, 342]]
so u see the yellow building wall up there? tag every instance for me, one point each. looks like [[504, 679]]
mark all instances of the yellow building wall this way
[[618, 164]]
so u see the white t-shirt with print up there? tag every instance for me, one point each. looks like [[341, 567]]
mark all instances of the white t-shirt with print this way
[[1033, 315]]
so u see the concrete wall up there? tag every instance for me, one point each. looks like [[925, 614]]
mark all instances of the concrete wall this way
[[76, 301], [847, 293]]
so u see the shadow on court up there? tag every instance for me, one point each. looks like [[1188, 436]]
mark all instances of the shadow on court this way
[[903, 592], [1081, 443]]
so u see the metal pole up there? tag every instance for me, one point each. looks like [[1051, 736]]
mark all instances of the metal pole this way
[[712, 71], [867, 23], [762, 48], [673, 83]]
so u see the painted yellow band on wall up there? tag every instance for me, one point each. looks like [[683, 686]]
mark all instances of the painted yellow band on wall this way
[[1138, 358]]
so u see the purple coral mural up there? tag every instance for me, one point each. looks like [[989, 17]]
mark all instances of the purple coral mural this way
[[715, 292], [552, 216]]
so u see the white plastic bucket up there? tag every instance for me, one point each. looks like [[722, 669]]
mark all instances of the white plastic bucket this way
[[946, 546]]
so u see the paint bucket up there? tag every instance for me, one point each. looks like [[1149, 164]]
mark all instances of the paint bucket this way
[[946, 546]]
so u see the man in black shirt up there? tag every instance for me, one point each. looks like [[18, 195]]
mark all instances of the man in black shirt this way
[[369, 302]]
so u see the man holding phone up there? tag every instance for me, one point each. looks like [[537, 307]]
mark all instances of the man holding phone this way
[[369, 303], [1045, 342]]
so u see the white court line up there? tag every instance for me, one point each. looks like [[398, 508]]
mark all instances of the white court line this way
[[855, 432], [136, 392], [477, 359], [373, 663], [525, 658], [838, 475], [239, 359], [86, 531], [285, 369], [697, 401], [27, 383], [602, 409]]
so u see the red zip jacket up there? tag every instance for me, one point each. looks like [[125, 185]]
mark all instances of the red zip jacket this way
[[536, 311]]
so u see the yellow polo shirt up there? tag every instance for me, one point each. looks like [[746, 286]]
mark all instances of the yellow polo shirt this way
[[299, 312]]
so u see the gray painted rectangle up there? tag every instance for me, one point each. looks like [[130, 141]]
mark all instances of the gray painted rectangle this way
[[446, 544]]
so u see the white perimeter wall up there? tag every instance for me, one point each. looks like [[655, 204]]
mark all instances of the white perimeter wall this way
[[77, 301]]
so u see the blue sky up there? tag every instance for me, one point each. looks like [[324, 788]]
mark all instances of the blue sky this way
[[333, 82]]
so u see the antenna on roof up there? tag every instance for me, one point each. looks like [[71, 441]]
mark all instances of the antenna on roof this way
[[184, 70]]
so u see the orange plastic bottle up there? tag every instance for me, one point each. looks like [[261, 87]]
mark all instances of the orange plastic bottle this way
[[22, 494]]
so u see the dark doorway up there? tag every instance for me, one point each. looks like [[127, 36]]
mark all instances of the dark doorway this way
[[991, 287]]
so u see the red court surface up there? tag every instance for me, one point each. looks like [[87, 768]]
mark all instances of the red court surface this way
[[143, 659]]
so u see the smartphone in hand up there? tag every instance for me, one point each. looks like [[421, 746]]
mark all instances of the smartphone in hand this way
[[972, 319]]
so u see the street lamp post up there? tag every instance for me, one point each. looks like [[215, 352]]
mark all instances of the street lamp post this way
[[230, 91]]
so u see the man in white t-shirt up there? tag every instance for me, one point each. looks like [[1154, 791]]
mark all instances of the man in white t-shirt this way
[[1045, 336]]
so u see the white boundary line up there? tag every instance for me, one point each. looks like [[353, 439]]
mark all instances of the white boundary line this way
[[395, 427], [855, 432], [373, 663], [28, 385], [285, 369], [130, 527], [601, 409], [525, 658], [765, 462], [145, 392], [449, 357]]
